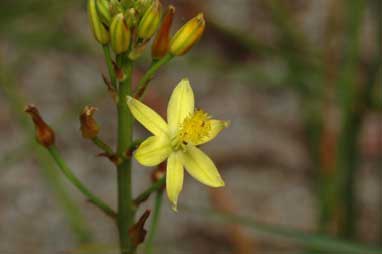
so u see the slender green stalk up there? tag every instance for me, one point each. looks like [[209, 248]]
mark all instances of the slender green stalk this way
[[146, 194], [141, 88], [125, 133], [352, 114], [71, 211], [102, 145], [70, 208], [323, 242], [154, 221], [76, 182], [109, 63]]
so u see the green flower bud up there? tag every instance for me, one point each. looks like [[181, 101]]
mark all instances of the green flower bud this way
[[120, 34], [131, 18], [137, 51], [103, 9], [150, 21], [99, 31], [115, 7], [189, 34], [126, 4]]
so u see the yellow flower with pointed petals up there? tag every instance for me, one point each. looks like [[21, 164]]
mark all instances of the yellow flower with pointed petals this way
[[177, 140]]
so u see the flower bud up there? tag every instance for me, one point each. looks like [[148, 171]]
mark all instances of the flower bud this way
[[150, 21], [103, 10], [115, 7], [89, 127], [189, 34], [137, 51], [137, 232], [99, 31], [120, 34], [162, 39], [44, 134], [131, 19], [142, 5]]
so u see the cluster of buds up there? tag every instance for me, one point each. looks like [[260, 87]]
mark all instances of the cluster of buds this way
[[128, 25]]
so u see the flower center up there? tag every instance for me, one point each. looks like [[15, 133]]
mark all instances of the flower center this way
[[193, 130]]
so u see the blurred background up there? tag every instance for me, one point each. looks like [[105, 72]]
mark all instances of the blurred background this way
[[299, 80]]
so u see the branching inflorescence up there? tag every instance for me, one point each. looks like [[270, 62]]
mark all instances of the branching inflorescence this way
[[124, 28]]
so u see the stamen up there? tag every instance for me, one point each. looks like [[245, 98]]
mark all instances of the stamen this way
[[195, 128]]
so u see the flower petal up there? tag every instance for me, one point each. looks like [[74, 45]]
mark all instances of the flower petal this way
[[181, 105], [174, 178], [153, 151], [216, 127], [147, 117], [201, 167]]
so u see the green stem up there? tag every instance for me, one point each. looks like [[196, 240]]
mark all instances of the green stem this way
[[140, 90], [146, 194], [352, 114], [125, 131], [109, 63], [76, 182], [16, 101], [154, 221], [102, 145]]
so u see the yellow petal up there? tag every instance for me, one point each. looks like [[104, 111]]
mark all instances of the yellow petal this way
[[201, 167], [216, 127], [147, 117], [181, 105], [174, 178], [153, 151]]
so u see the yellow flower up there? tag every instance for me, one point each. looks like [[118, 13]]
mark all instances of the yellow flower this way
[[177, 140]]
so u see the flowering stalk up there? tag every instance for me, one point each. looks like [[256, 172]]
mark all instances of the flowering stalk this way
[[102, 145], [155, 66], [126, 27], [109, 64], [153, 188], [125, 133], [76, 182], [154, 221]]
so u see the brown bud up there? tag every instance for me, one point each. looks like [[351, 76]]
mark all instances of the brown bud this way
[[161, 43], [44, 134], [89, 126], [137, 232]]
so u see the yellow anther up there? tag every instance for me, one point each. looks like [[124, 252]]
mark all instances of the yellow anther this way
[[195, 128]]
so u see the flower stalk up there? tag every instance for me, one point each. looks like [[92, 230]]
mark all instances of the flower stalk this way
[[125, 133], [146, 194], [155, 66], [124, 29], [154, 221], [76, 182], [109, 64]]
